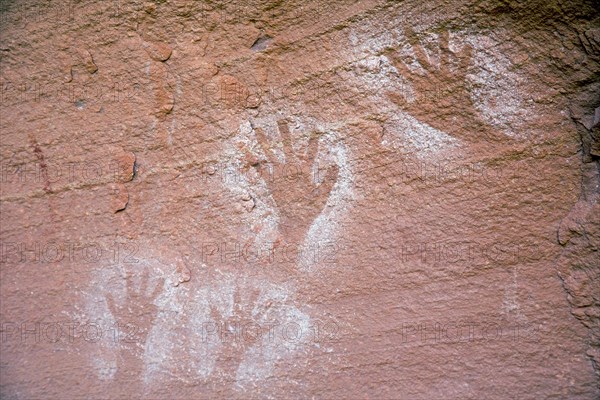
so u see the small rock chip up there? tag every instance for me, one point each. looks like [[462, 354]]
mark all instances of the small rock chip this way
[[184, 274], [166, 102], [249, 205], [68, 77], [150, 7], [88, 61], [158, 51], [119, 198], [124, 167]]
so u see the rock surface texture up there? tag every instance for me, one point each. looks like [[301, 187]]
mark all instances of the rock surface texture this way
[[300, 199]]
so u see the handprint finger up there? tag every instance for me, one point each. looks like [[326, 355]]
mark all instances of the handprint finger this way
[[445, 51], [264, 144], [400, 66], [237, 303], [215, 315], [313, 146], [330, 179], [110, 302], [466, 56], [418, 49], [403, 70], [129, 287], [286, 139], [144, 285]]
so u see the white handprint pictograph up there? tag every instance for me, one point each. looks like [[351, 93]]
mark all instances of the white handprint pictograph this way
[[298, 198]]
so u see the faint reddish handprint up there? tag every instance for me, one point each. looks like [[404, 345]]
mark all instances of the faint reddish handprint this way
[[442, 98], [135, 317]]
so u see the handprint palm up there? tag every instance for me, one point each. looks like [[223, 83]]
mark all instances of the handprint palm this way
[[442, 98]]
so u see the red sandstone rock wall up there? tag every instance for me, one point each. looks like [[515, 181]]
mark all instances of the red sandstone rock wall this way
[[288, 199]]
